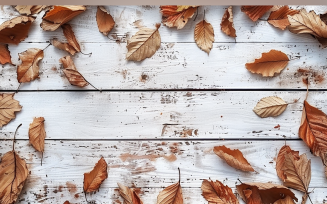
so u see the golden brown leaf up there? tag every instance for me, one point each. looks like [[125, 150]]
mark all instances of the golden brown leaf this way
[[216, 192], [286, 200], [70, 71], [184, 7], [204, 36], [171, 194], [8, 107], [94, 179], [70, 36], [233, 158], [227, 24], [4, 54], [143, 44], [270, 63], [279, 18], [271, 106], [29, 69], [173, 18], [255, 12], [104, 20], [259, 193], [129, 194], [63, 46], [30, 9], [37, 134], [60, 15], [15, 30]]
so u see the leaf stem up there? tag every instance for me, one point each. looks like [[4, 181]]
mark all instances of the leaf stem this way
[[13, 144], [47, 46], [179, 172], [239, 180], [86, 54], [18, 87], [197, 11]]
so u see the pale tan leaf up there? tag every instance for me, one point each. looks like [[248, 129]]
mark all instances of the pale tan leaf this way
[[276, 7], [63, 46], [255, 12], [270, 63], [143, 44], [129, 195], [94, 179], [70, 36], [4, 54], [286, 200], [227, 24], [204, 36], [279, 18], [8, 107], [37, 133], [15, 30], [70, 71], [104, 20], [216, 192], [233, 158], [171, 194], [271, 106], [29, 69], [30, 9], [173, 18], [184, 7]]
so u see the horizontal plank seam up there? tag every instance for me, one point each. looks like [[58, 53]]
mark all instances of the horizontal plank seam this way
[[170, 139], [247, 42]]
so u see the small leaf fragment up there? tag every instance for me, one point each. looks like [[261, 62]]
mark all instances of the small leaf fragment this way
[[227, 24], [216, 192], [271, 106], [15, 30], [29, 69], [171, 17], [94, 179], [37, 134], [63, 46], [204, 36], [5, 56], [104, 20], [8, 107], [30, 9], [255, 12], [129, 194], [70, 71], [184, 7]]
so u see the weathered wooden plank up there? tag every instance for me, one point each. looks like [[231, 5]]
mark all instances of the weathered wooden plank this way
[[174, 66]]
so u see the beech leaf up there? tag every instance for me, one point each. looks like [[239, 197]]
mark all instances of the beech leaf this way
[[143, 44], [70, 71], [5, 56], [30, 9], [227, 23], [216, 192], [286, 200], [233, 158], [171, 194], [255, 12], [63, 46], [70, 36], [171, 17], [279, 18], [270, 63], [37, 134], [129, 195], [104, 20], [94, 179], [29, 69], [204, 36], [271, 106], [8, 107], [15, 30]]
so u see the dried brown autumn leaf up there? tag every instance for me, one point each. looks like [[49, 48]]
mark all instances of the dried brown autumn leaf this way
[[143, 44], [323, 17], [184, 7], [173, 18], [70, 71], [270, 63], [216, 192], [227, 24], [279, 18], [258, 193], [204, 36], [94, 179], [8, 107], [271, 106], [63, 46], [30, 9], [15, 30], [171, 194], [70, 36], [4, 54], [286, 200], [104, 20], [255, 12], [310, 23], [29, 69], [66, 202], [37, 134], [233, 158], [129, 195], [60, 15]]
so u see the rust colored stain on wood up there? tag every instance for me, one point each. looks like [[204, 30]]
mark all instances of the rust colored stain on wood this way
[[71, 187]]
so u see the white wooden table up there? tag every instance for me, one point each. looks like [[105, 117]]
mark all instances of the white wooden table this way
[[181, 102]]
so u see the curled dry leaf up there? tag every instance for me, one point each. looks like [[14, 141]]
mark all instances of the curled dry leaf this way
[[173, 18], [30, 9], [227, 24], [70, 36], [271, 106], [94, 179], [216, 192], [258, 193], [63, 46], [204, 36], [286, 200], [104, 20], [4, 54], [129, 195], [233, 158], [279, 18], [8, 107], [172, 194], [60, 15], [15, 30], [143, 44], [70, 71], [310, 23], [270, 63], [37, 134], [255, 12], [323, 17], [29, 69], [183, 7]]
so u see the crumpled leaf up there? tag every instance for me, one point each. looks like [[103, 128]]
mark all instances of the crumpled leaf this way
[[216, 192], [323, 17], [286, 200], [143, 44], [265, 193], [310, 23], [184, 7], [94, 179], [171, 194], [271, 106], [255, 12], [15, 30], [70, 36], [227, 23], [104, 20], [5, 56], [60, 15], [63, 46], [30, 9], [129, 195], [204, 36], [37, 134], [29, 69], [270, 63], [173, 18], [279, 18], [233, 158], [70, 71], [8, 107], [294, 170]]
